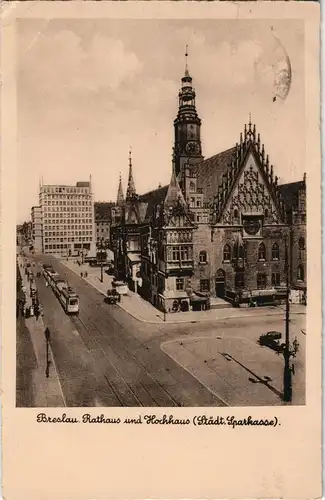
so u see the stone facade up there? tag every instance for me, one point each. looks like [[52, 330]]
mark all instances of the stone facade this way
[[223, 228]]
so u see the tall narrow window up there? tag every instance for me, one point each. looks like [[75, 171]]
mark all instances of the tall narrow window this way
[[203, 257], [226, 253], [179, 283], [275, 251], [302, 248], [204, 285], [261, 281], [261, 252], [275, 279], [192, 187], [300, 273]]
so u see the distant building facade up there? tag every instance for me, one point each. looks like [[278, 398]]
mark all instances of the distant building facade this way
[[36, 218], [67, 218], [221, 229], [103, 221]]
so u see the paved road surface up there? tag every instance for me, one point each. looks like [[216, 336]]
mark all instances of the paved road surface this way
[[104, 357]]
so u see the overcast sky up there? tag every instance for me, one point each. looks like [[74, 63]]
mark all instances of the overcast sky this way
[[87, 89]]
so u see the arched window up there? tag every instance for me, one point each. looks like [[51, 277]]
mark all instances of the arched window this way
[[236, 213], [261, 252], [300, 273], [203, 257], [302, 248], [266, 213], [226, 253], [275, 251], [192, 187]]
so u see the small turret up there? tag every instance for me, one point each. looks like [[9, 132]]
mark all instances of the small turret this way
[[131, 192], [120, 195]]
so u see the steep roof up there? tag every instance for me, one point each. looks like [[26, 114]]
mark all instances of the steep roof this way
[[174, 194], [290, 193], [152, 199], [209, 172]]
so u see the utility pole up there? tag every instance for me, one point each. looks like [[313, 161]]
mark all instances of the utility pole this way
[[287, 375]]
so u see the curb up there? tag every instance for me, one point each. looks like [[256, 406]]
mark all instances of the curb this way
[[189, 321], [162, 322]]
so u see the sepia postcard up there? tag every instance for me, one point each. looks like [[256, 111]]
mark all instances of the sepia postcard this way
[[161, 250]]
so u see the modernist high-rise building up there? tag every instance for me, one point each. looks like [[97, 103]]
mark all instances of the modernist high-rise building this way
[[67, 218]]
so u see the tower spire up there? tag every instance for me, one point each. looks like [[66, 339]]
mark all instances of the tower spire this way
[[186, 66], [130, 193], [120, 195]]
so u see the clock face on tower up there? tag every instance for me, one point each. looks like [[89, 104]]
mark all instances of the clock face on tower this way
[[192, 148]]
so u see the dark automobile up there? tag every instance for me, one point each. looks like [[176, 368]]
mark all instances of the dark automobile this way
[[112, 297], [271, 340]]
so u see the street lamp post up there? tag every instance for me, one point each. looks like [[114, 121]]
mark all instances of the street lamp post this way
[[47, 339], [287, 375]]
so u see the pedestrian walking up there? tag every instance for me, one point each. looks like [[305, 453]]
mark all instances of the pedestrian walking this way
[[86, 274], [81, 275]]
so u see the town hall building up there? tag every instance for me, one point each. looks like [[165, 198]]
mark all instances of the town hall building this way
[[222, 230]]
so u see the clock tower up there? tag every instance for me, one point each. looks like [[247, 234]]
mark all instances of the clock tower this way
[[187, 126]]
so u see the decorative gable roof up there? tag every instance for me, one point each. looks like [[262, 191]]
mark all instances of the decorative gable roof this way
[[250, 143]]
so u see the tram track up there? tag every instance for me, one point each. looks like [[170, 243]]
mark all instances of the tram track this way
[[127, 357], [81, 325]]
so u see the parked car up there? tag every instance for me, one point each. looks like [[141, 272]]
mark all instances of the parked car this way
[[112, 297], [271, 340]]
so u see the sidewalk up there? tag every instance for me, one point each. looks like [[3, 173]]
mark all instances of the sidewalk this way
[[143, 311], [47, 391]]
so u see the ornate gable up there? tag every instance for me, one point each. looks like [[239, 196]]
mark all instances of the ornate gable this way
[[248, 186]]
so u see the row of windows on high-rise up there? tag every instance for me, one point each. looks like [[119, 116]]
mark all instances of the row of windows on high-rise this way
[[82, 200], [67, 233], [70, 240], [64, 189], [66, 210]]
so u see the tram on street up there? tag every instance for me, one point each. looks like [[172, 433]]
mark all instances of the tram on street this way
[[66, 296]]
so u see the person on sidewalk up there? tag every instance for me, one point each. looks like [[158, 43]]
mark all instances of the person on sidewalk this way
[[86, 274], [81, 275]]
